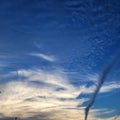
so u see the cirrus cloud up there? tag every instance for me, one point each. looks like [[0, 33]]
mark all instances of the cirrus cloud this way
[[49, 58]]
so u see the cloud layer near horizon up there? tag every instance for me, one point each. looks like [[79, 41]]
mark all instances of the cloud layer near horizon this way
[[36, 92]]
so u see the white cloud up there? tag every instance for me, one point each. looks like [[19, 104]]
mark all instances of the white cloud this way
[[108, 87], [49, 58], [36, 91], [26, 97]]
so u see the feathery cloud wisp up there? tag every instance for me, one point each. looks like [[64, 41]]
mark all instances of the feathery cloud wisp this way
[[49, 58]]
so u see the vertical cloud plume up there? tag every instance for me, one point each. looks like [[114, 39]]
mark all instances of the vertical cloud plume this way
[[102, 78]]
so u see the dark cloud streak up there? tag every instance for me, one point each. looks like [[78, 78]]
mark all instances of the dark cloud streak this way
[[102, 79]]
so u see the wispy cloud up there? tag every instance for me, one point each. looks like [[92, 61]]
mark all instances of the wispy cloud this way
[[108, 87], [49, 58], [92, 77], [47, 95], [37, 91]]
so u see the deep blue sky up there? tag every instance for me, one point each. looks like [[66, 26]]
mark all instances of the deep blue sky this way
[[62, 45]]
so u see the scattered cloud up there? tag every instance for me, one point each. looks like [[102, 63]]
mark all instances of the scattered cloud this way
[[49, 58]]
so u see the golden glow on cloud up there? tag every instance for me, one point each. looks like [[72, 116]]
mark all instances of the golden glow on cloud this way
[[33, 92]]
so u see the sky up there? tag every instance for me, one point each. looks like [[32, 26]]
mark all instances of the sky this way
[[52, 53]]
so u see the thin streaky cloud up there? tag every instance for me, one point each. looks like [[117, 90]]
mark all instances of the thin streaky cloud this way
[[49, 58], [108, 87], [37, 44]]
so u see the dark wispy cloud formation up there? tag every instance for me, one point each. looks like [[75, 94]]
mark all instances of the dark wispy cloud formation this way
[[102, 79]]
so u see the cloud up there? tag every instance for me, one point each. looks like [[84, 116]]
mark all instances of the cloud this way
[[92, 77], [96, 113], [37, 91], [102, 79], [43, 95], [49, 58], [108, 87]]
